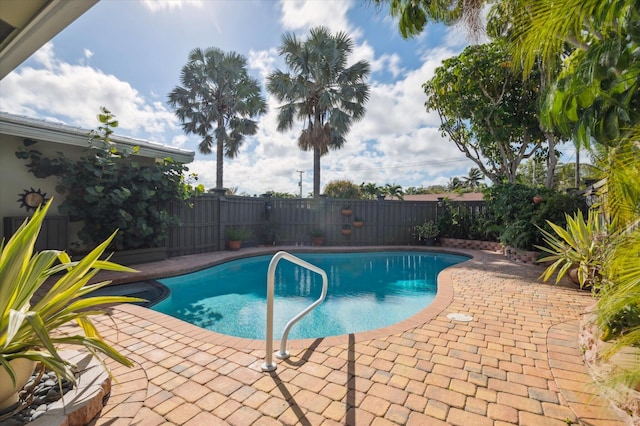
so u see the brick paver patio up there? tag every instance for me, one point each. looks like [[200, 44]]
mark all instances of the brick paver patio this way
[[516, 362]]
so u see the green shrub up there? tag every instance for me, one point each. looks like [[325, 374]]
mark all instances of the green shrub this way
[[512, 210], [108, 190]]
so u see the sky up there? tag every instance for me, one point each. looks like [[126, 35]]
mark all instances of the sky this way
[[127, 55]]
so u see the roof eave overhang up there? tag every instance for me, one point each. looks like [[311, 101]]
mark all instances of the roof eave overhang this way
[[49, 21], [79, 137]]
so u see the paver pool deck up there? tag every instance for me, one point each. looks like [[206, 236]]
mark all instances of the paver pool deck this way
[[517, 361]]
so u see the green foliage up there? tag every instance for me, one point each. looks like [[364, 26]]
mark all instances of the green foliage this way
[[487, 110], [428, 229], [320, 90], [240, 233], [218, 101], [580, 244], [370, 190], [457, 222], [28, 323], [343, 189], [107, 189], [513, 211]]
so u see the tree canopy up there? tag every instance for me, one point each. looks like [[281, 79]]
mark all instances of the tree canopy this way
[[486, 109]]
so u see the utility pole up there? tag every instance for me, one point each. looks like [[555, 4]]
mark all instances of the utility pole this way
[[300, 183]]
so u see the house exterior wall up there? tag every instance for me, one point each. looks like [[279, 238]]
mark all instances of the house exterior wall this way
[[15, 178]]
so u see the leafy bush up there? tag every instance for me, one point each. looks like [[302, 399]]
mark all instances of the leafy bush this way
[[458, 222], [512, 209], [108, 190], [342, 189]]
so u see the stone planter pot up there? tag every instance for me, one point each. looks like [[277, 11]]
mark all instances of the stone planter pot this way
[[23, 369]]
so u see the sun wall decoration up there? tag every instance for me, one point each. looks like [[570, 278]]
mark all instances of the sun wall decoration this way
[[31, 199]]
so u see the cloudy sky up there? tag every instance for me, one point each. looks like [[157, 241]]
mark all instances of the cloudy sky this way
[[127, 55]]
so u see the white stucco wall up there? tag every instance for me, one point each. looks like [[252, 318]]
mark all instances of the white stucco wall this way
[[15, 178]]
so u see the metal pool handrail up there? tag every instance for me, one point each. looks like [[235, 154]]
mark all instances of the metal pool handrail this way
[[269, 365]]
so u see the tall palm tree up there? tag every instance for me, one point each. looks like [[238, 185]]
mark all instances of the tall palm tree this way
[[217, 100], [320, 90]]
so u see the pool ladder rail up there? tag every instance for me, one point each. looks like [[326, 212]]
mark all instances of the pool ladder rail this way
[[269, 365]]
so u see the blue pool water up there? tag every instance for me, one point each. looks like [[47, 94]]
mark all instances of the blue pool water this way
[[366, 291]]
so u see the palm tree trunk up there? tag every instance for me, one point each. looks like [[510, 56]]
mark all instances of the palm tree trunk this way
[[316, 172], [219, 161]]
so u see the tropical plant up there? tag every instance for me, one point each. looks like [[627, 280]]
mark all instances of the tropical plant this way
[[413, 15], [370, 190], [393, 191], [426, 230], [239, 233], [581, 244], [321, 90], [218, 100], [317, 232], [342, 189], [596, 101], [108, 189], [511, 209], [474, 179], [28, 322]]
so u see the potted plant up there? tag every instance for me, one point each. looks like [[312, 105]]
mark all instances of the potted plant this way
[[346, 230], [346, 211], [28, 323], [427, 232], [235, 236], [358, 222], [577, 250], [317, 237]]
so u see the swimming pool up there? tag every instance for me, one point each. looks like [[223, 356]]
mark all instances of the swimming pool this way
[[366, 291]]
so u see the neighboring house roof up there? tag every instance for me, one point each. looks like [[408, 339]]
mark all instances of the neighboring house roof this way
[[26, 25], [466, 196], [41, 130]]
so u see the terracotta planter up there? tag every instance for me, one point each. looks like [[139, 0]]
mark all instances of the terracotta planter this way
[[234, 244], [23, 369], [537, 199], [358, 224], [346, 232], [346, 212], [317, 241]]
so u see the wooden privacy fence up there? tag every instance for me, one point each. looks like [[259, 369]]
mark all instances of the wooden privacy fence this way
[[291, 220]]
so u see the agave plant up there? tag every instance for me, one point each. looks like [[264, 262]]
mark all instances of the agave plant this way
[[27, 323], [580, 245]]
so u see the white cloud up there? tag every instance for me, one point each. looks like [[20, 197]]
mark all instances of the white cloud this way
[[305, 14], [74, 93], [169, 5], [264, 61], [88, 53]]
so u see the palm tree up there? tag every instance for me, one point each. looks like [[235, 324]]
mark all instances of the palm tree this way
[[370, 190], [472, 181], [319, 90], [217, 100], [393, 191]]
